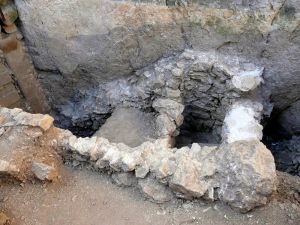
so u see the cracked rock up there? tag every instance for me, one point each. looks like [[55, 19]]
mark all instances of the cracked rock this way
[[154, 190], [124, 179], [43, 171]]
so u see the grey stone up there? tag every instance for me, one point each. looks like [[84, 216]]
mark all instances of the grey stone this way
[[124, 179], [248, 169], [155, 191], [43, 171]]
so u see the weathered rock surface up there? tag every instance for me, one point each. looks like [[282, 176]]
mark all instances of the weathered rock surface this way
[[245, 163], [43, 171], [244, 179], [124, 179], [154, 190]]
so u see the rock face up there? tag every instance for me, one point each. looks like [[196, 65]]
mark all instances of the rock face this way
[[112, 39], [124, 179]]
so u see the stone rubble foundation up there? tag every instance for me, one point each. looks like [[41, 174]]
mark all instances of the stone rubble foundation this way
[[239, 171], [241, 174]]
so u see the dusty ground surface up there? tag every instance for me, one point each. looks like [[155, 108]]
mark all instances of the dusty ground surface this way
[[89, 198], [129, 126]]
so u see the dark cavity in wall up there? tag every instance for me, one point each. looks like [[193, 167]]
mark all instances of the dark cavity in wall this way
[[197, 128], [84, 126], [284, 147]]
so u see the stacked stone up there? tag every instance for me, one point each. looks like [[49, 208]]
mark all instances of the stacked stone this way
[[197, 86]]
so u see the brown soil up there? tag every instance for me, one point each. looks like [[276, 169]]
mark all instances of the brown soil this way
[[88, 198]]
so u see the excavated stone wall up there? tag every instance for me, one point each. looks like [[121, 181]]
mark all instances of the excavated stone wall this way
[[188, 69], [203, 84], [240, 173], [111, 40]]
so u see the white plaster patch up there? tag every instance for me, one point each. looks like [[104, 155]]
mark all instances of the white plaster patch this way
[[241, 123]]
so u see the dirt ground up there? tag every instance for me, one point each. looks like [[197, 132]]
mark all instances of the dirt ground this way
[[88, 198]]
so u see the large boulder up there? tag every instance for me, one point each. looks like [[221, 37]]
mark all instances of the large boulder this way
[[249, 174]]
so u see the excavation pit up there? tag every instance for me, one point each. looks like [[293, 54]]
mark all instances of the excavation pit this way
[[165, 99], [130, 126]]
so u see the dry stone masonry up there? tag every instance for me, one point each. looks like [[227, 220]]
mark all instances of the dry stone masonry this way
[[241, 174], [240, 171], [198, 86]]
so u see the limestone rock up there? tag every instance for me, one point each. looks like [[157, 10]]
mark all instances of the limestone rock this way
[[189, 179], [124, 179], [21, 118], [169, 107], [9, 170], [241, 174], [165, 126], [82, 145], [248, 80], [249, 174], [39, 120], [155, 191], [43, 171]]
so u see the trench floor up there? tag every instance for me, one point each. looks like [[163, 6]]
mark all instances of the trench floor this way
[[84, 197]]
